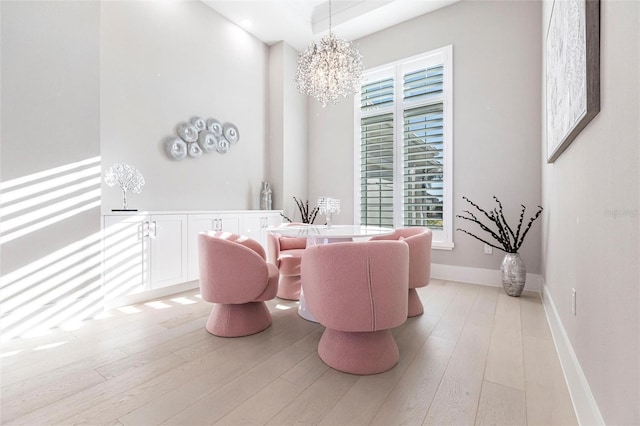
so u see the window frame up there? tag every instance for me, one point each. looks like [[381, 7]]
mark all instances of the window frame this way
[[442, 239]]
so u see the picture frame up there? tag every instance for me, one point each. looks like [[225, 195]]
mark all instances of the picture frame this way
[[572, 72]]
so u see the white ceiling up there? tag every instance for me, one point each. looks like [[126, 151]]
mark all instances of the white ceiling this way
[[299, 22]]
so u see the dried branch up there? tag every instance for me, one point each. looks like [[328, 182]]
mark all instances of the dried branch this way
[[482, 226], [505, 223], [520, 223], [478, 207], [305, 215], [314, 213], [501, 230], [288, 220], [524, 234], [478, 238], [509, 240]]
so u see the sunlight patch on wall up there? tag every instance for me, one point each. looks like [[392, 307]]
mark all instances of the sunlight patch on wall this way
[[64, 287], [65, 284], [35, 201], [125, 263]]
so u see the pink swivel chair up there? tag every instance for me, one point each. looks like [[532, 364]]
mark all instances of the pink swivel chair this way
[[419, 241], [286, 254], [358, 291], [235, 276]]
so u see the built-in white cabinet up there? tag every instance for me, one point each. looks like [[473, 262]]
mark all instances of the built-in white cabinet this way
[[168, 246], [255, 225], [143, 252], [149, 252], [125, 251]]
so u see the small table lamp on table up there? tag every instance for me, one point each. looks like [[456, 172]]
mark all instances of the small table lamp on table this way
[[328, 206]]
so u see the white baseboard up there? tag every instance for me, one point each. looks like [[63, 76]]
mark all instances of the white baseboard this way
[[584, 403], [481, 276]]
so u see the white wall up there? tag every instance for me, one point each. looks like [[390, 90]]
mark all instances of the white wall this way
[[331, 156], [287, 145], [591, 235], [162, 63], [496, 98], [295, 164], [50, 203], [275, 142]]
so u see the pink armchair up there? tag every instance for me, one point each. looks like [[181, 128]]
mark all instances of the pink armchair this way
[[235, 276], [286, 254], [419, 241], [358, 291]]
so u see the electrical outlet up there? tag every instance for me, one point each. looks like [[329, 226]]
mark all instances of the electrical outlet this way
[[573, 301], [488, 249]]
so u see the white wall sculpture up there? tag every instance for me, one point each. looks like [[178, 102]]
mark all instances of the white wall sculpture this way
[[200, 136]]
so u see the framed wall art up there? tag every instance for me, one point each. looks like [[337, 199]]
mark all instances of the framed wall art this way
[[573, 71]]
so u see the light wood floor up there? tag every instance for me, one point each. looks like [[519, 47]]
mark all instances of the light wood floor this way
[[477, 356]]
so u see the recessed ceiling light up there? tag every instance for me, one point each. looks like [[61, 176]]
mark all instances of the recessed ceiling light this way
[[246, 23]]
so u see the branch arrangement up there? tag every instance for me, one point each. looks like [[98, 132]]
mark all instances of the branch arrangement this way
[[307, 216], [509, 241]]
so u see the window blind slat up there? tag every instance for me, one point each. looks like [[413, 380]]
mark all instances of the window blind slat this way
[[376, 94], [423, 174], [376, 177], [424, 83]]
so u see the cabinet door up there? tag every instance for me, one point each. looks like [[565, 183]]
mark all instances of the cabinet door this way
[[274, 219], [197, 223], [253, 224], [202, 223], [168, 234], [125, 255], [256, 224], [229, 222]]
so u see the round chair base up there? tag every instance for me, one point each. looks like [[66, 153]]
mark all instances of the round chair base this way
[[415, 305], [238, 320], [289, 287], [361, 353]]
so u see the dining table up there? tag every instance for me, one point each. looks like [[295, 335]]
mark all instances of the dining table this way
[[327, 234]]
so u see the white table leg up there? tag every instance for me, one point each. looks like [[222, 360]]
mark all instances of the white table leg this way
[[303, 311]]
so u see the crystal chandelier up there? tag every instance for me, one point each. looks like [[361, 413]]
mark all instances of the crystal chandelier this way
[[329, 69]]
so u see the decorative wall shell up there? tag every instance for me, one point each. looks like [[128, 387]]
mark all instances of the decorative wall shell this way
[[200, 136]]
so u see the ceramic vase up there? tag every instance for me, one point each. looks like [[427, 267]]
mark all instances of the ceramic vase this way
[[265, 196], [514, 274]]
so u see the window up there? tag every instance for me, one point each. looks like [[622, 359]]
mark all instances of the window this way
[[404, 145]]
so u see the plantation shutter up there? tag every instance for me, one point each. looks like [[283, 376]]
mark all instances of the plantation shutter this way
[[376, 151], [376, 175], [423, 84], [423, 149], [403, 145], [376, 95]]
